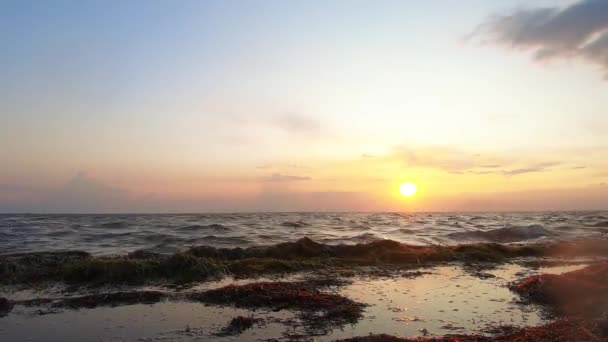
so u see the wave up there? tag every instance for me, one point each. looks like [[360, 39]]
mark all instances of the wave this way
[[294, 224], [365, 237], [112, 236], [402, 231], [161, 238], [477, 218], [58, 233], [359, 227], [228, 240], [214, 226], [103, 234], [114, 225], [565, 228], [507, 234]]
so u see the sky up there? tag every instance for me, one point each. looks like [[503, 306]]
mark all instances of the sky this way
[[224, 106]]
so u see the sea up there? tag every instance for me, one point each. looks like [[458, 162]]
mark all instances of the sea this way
[[169, 233]]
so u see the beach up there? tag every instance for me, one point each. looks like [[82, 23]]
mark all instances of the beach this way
[[306, 290]]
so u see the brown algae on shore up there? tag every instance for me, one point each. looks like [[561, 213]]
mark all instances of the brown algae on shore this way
[[5, 306], [238, 325], [319, 311], [206, 263]]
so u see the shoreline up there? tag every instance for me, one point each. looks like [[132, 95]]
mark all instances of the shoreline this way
[[297, 291]]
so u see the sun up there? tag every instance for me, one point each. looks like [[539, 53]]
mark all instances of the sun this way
[[408, 189]]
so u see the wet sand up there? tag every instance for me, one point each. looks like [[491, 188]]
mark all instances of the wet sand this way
[[433, 301]]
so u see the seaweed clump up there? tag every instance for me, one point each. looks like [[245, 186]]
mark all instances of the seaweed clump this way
[[34, 267], [112, 299], [5, 306], [318, 311], [80, 267], [97, 300], [238, 325], [582, 293]]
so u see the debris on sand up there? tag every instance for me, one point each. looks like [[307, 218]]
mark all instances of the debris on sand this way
[[238, 325]]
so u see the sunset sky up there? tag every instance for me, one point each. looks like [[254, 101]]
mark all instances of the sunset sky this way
[[196, 106]]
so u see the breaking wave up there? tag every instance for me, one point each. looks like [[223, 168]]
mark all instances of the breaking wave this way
[[507, 234]]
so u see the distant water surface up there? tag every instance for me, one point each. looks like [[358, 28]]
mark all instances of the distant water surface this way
[[168, 233]]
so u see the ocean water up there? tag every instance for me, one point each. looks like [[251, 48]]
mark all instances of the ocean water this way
[[168, 233]]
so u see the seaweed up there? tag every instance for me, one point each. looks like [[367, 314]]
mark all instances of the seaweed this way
[[96, 300], [5, 306], [252, 267], [112, 299], [318, 311], [559, 331], [238, 325], [203, 262], [582, 293], [135, 268], [35, 267]]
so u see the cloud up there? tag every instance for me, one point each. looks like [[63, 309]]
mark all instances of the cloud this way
[[298, 124], [80, 194], [522, 171], [84, 193], [577, 31], [278, 166], [455, 161], [584, 198], [540, 167], [445, 158], [278, 177]]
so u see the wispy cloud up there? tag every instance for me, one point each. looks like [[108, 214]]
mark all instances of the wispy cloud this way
[[576, 31], [298, 124], [278, 177], [456, 161], [538, 167], [593, 197], [522, 171], [82, 193], [271, 166], [449, 159]]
